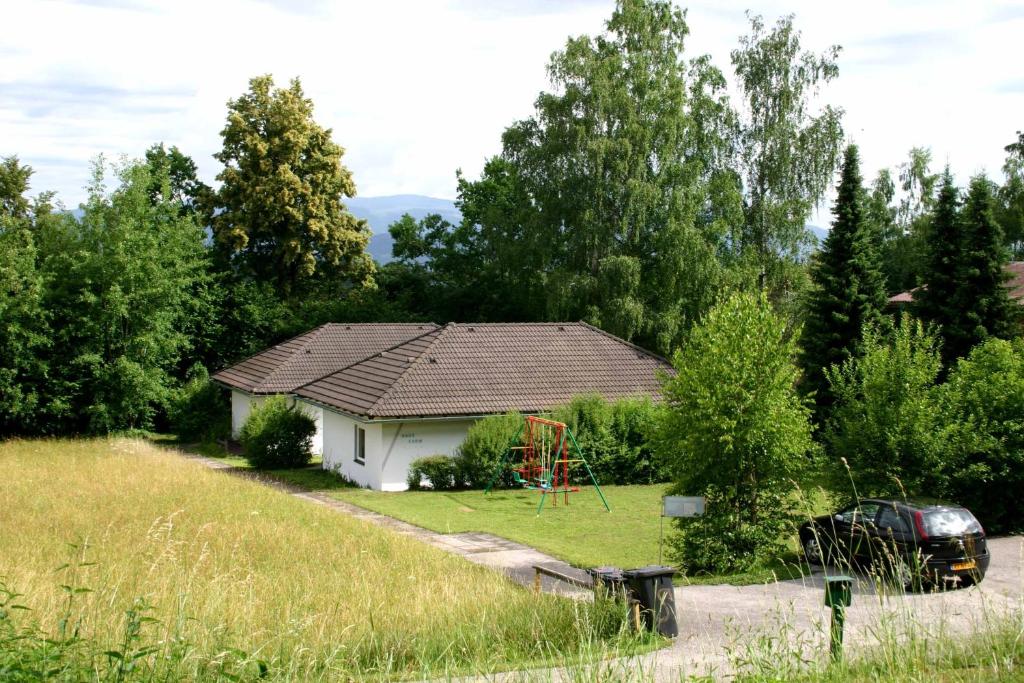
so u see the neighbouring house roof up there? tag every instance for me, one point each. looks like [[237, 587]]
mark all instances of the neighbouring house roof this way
[[1014, 285], [476, 369], [286, 366]]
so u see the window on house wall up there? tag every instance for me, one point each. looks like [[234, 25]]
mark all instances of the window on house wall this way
[[360, 445]]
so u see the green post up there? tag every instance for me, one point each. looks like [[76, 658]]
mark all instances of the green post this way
[[587, 465], [838, 596], [836, 640]]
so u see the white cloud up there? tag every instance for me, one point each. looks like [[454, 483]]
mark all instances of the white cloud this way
[[414, 90]]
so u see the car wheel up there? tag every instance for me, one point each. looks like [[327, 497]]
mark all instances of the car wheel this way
[[812, 551]]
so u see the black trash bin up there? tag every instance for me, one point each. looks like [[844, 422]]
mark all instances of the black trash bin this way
[[652, 588], [611, 579]]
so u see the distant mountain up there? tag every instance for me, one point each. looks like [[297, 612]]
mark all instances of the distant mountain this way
[[819, 233], [381, 212]]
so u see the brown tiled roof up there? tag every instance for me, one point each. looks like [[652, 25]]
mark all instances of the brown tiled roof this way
[[1015, 284], [475, 369], [321, 351]]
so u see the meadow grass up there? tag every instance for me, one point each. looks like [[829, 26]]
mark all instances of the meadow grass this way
[[125, 547]]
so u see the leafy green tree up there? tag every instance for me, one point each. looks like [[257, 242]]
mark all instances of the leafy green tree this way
[[982, 435], [786, 153], [1011, 196], [24, 329], [607, 203], [885, 419], [736, 431], [178, 179], [850, 292], [120, 295], [918, 184], [282, 189]]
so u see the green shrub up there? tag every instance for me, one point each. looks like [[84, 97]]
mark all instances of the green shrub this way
[[885, 419], [486, 444], [715, 544], [442, 472], [278, 436], [199, 409], [982, 440], [615, 438]]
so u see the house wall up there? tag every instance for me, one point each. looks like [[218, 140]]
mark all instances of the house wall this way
[[339, 449], [404, 442], [390, 447], [317, 413], [242, 405]]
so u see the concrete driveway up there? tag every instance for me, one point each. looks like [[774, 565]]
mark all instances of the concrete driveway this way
[[720, 627]]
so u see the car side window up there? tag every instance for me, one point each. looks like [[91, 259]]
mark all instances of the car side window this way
[[849, 514], [890, 519], [860, 514], [868, 513]]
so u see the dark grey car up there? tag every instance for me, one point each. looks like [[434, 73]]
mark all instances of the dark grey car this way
[[914, 541]]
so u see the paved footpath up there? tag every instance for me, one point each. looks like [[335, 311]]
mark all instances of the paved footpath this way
[[722, 625]]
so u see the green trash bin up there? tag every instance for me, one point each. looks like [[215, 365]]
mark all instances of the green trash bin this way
[[651, 587]]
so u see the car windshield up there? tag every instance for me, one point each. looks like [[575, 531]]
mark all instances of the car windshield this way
[[950, 522]]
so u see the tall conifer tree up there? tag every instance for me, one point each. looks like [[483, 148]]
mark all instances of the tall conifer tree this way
[[850, 286], [937, 300], [983, 305]]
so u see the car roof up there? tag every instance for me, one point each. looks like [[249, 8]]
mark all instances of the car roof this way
[[914, 503]]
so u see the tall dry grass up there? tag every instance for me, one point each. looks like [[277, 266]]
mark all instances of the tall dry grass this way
[[231, 570]]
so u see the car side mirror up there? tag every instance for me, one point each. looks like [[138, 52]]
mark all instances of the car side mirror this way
[[837, 517]]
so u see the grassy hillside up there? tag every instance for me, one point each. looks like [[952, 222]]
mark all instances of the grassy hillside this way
[[237, 577]]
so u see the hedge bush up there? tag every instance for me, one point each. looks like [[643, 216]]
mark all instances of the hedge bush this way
[[199, 410], [278, 436], [486, 444], [615, 437], [441, 472]]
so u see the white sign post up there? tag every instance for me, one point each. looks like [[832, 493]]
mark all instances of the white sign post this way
[[678, 506]]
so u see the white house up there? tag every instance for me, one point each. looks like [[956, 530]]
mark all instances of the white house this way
[[419, 396]]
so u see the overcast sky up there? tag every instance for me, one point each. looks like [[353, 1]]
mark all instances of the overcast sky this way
[[415, 90]]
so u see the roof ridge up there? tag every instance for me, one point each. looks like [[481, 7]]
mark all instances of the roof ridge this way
[[626, 343], [398, 382], [354, 363]]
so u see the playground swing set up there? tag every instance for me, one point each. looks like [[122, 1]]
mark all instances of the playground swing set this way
[[541, 454]]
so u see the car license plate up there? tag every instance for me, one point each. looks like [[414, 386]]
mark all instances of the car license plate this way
[[960, 566]]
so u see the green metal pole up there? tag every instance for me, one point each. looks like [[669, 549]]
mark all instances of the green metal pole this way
[[504, 459], [836, 640], [587, 465]]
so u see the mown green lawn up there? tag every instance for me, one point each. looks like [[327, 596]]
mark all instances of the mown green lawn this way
[[581, 533]]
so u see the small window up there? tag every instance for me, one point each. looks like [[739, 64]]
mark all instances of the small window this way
[[360, 445]]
